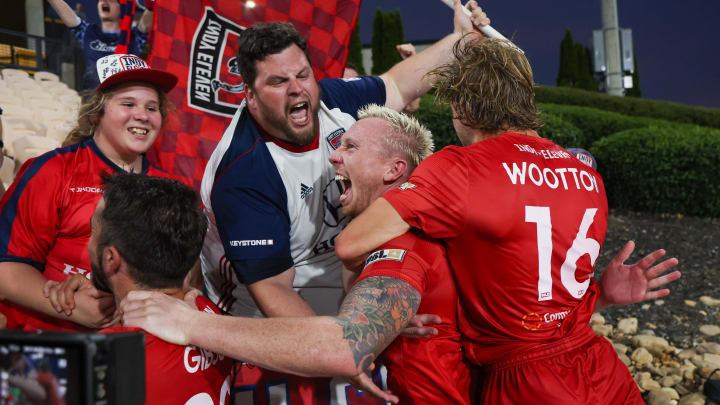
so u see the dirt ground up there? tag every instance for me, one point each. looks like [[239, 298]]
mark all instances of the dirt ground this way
[[696, 244]]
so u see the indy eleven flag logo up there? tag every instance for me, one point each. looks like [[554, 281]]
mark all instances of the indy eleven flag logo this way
[[197, 41]]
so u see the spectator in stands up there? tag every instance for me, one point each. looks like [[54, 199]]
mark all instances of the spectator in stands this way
[[406, 51], [350, 71], [100, 40], [44, 216], [146, 235], [79, 11]]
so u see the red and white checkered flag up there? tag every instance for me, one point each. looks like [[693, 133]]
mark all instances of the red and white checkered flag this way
[[197, 41]]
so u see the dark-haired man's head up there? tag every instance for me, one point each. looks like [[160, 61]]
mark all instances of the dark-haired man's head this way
[[350, 71], [281, 92], [147, 230]]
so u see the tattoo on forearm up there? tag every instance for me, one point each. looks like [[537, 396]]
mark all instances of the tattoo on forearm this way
[[374, 313]]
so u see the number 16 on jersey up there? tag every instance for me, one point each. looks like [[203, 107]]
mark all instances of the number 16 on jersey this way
[[581, 245]]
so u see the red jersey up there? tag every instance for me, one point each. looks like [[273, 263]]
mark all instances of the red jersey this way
[[45, 219], [184, 374], [523, 222], [429, 370]]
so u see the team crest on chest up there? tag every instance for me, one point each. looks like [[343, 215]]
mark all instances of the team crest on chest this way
[[335, 138]]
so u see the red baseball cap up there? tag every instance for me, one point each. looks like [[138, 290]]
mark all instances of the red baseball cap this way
[[118, 68]]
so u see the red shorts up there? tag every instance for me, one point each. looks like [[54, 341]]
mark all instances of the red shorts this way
[[577, 370]]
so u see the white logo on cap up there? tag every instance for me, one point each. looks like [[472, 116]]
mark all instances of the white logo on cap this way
[[116, 63]]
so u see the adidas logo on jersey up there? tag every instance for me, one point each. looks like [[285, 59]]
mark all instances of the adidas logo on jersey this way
[[305, 191]]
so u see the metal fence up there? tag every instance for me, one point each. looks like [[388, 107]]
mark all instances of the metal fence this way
[[62, 57]]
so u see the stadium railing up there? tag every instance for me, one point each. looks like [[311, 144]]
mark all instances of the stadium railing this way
[[53, 53]]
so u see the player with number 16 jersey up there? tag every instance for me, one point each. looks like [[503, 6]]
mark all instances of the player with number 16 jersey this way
[[523, 221]]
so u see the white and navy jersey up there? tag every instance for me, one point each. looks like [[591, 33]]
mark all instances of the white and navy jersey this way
[[272, 206]]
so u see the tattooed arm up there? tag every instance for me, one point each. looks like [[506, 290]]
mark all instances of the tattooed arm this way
[[371, 316]]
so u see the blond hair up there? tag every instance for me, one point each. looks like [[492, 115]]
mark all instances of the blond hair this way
[[406, 136], [490, 86], [93, 110]]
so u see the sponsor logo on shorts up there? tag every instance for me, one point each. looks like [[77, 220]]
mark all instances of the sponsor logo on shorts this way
[[252, 242], [385, 254], [549, 320], [407, 185]]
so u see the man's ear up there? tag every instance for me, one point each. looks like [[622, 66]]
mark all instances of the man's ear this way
[[397, 169], [250, 97], [112, 260]]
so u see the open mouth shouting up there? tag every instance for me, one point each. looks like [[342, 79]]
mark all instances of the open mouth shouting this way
[[105, 8], [300, 113], [345, 185]]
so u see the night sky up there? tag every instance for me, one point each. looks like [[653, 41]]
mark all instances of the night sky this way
[[677, 43]]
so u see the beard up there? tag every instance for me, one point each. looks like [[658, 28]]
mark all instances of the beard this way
[[99, 278], [279, 122]]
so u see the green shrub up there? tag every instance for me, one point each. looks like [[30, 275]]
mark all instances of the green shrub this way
[[595, 124], [438, 119], [709, 117], [662, 169], [561, 132]]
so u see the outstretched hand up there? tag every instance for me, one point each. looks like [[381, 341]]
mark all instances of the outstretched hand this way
[[623, 284]]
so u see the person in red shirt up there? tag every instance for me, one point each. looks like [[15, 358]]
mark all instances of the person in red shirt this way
[[377, 155], [44, 215], [391, 289], [523, 222], [147, 233]]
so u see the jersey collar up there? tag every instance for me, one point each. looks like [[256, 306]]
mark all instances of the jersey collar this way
[[113, 166], [287, 146]]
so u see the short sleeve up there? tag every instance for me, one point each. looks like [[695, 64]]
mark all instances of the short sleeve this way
[[79, 31], [349, 95], [29, 215], [435, 197], [252, 220], [396, 261]]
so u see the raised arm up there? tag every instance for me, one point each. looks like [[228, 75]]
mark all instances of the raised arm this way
[[67, 15], [406, 81], [145, 23], [371, 316]]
